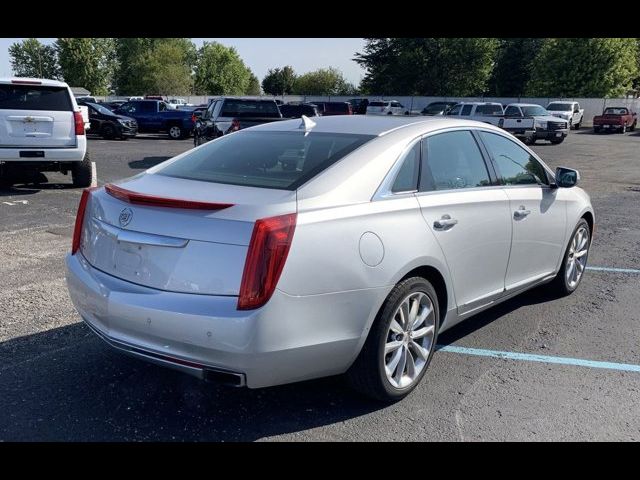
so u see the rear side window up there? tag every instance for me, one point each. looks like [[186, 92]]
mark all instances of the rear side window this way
[[34, 97], [281, 160], [515, 165], [466, 110], [452, 160], [489, 109], [236, 108], [407, 178]]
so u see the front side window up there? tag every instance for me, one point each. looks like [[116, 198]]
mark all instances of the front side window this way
[[466, 110], [281, 160], [452, 160], [515, 165], [407, 178]]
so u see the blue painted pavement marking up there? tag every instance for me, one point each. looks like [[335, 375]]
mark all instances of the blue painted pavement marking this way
[[529, 357], [613, 269]]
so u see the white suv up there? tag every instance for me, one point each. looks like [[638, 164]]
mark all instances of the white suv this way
[[385, 107], [41, 129]]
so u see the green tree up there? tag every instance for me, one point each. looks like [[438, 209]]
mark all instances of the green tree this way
[[279, 81], [30, 58], [220, 71], [513, 66], [253, 88], [427, 66], [584, 67], [324, 81], [166, 69], [154, 65], [87, 62]]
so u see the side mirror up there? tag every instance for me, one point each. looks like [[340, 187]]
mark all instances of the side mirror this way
[[567, 177]]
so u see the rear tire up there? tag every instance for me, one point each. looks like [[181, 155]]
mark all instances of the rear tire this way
[[577, 127], [81, 174], [557, 141], [633, 126], [368, 374], [596, 129], [175, 132], [560, 285]]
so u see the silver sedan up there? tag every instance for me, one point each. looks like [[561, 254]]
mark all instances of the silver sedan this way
[[301, 249]]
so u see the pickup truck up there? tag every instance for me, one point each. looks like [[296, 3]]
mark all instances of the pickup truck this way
[[520, 126], [570, 111], [615, 118], [228, 114], [154, 116], [545, 126]]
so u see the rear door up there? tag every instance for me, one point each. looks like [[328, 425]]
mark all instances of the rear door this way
[[537, 212], [36, 116], [468, 216]]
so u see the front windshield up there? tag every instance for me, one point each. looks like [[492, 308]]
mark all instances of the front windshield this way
[[559, 107], [435, 107], [534, 110], [100, 109]]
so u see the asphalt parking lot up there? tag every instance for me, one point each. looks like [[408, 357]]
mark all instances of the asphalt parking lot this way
[[60, 382]]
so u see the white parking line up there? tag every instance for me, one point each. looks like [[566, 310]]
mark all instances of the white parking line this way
[[94, 175], [613, 269]]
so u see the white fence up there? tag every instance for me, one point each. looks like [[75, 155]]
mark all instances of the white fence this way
[[592, 106]]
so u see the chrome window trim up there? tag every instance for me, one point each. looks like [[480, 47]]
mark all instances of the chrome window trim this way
[[384, 190]]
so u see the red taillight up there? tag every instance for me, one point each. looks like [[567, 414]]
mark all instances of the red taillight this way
[[79, 122], [268, 250], [156, 201], [77, 230]]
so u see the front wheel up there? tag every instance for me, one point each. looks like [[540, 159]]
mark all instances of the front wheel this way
[[633, 126], [575, 260], [175, 132], [400, 344], [557, 141], [596, 129]]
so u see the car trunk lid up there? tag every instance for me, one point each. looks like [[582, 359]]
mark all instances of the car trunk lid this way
[[197, 247]]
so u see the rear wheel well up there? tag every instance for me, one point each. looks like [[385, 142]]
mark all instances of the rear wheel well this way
[[437, 280]]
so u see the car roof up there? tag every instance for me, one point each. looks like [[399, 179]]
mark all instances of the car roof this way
[[524, 105], [41, 81], [370, 125], [479, 103]]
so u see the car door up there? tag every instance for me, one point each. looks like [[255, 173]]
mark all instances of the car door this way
[[468, 214], [537, 211], [95, 119]]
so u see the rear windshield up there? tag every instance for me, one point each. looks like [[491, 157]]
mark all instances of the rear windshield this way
[[489, 109], [378, 104], [236, 108], [34, 97], [281, 160], [559, 107], [615, 111]]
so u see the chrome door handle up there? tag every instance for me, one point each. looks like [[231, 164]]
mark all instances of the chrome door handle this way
[[445, 222], [521, 212]]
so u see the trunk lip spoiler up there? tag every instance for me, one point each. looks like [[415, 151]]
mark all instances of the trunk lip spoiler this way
[[136, 198]]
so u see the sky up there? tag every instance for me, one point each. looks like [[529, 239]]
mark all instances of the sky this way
[[261, 54]]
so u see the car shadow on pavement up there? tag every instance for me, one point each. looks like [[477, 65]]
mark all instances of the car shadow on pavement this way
[[31, 185], [65, 384], [147, 162], [535, 296]]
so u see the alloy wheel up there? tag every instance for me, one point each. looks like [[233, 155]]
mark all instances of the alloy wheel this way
[[409, 340], [577, 260]]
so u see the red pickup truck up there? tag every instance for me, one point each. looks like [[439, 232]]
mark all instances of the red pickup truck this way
[[615, 118]]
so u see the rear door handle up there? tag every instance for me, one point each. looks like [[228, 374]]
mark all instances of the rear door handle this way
[[445, 222], [521, 212]]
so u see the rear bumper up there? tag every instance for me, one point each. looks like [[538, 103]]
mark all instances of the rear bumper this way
[[289, 339], [73, 154]]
